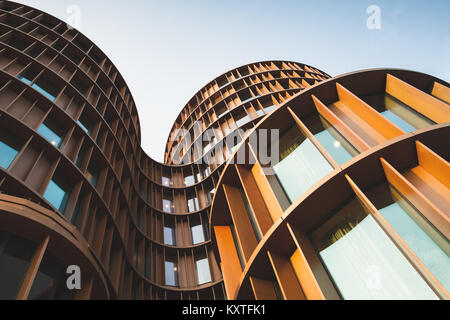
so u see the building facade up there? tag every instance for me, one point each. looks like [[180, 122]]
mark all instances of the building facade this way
[[356, 205], [78, 191]]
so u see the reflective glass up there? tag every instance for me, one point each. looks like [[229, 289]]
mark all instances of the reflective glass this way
[[57, 195], [9, 148], [337, 146], [428, 244], [301, 164], [171, 270], [197, 234], [363, 261], [50, 134], [203, 273], [397, 112]]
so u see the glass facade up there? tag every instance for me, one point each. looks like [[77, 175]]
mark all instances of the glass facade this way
[[15, 256], [197, 234], [92, 174], [9, 148], [301, 165], [362, 260], [50, 281], [193, 204], [203, 272], [52, 132], [171, 273], [58, 192], [428, 244], [169, 236], [85, 124], [397, 112], [336, 145], [167, 205]]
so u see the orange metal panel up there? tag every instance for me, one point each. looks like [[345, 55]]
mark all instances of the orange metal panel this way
[[230, 265], [263, 289], [442, 92], [368, 114], [433, 163], [339, 125], [426, 104], [422, 203], [285, 274]]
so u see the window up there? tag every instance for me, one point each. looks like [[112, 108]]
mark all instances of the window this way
[[50, 281], [203, 272], [51, 131], [300, 166], [337, 146], [9, 148], [242, 119], [171, 273], [428, 244], [193, 204], [85, 124], [15, 256], [166, 181], [58, 192], [169, 235], [41, 85], [397, 112], [197, 234], [269, 108], [167, 205], [362, 260], [92, 174], [189, 181]]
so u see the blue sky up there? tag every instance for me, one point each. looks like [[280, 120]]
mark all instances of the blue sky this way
[[168, 49]]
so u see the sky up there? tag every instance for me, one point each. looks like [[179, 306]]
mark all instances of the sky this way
[[167, 50]]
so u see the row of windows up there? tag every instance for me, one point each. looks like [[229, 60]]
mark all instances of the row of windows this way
[[202, 272]]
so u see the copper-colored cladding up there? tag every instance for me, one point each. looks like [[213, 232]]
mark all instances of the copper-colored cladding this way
[[117, 235], [415, 163]]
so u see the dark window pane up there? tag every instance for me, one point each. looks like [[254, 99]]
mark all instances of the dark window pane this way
[[15, 256]]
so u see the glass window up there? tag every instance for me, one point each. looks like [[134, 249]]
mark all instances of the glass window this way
[[362, 260], [15, 257], [51, 131], [270, 108], [171, 273], [397, 112], [189, 181], [337, 146], [169, 235], [428, 244], [203, 272], [9, 148], [166, 181], [242, 119], [85, 124], [167, 206], [301, 165], [58, 192], [50, 281], [197, 234], [41, 85], [193, 204], [92, 174]]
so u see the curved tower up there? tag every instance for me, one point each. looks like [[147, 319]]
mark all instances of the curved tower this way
[[355, 203], [77, 189]]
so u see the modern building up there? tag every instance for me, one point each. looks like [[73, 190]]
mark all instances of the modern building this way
[[356, 205], [76, 188]]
